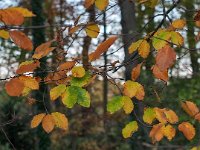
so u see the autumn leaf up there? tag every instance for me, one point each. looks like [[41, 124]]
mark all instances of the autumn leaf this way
[[128, 105], [88, 3], [160, 115], [135, 73], [103, 47], [144, 49], [149, 115], [179, 23], [25, 12], [11, 17], [130, 88], [66, 66], [57, 91], [48, 123], [92, 30], [80, 82], [115, 104], [162, 75], [156, 133], [21, 40], [78, 72], [177, 38], [171, 116], [14, 87], [30, 82], [190, 108], [134, 46], [60, 120], [37, 119], [169, 131], [4, 34], [101, 4], [140, 92], [72, 30], [129, 129], [165, 58], [27, 66], [187, 129]]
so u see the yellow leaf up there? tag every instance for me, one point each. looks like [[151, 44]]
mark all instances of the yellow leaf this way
[[37, 119], [169, 132], [30, 82], [144, 49], [26, 91], [179, 23], [140, 92], [134, 46], [88, 3], [60, 120], [136, 72], [128, 105], [177, 38], [149, 115], [101, 4], [25, 12], [48, 123], [21, 40], [160, 115], [130, 88], [92, 30], [187, 129], [57, 91], [78, 72], [129, 129], [102, 48], [4, 34]]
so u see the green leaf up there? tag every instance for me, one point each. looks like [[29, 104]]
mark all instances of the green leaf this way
[[129, 129], [73, 95], [80, 82], [57, 91], [115, 104], [149, 115]]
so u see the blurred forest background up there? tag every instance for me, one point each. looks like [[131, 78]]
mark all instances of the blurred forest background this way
[[94, 128]]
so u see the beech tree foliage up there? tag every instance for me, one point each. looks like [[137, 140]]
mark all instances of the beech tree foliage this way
[[70, 79]]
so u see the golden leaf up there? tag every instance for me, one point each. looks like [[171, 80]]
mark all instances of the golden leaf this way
[[48, 123], [37, 119], [60, 120]]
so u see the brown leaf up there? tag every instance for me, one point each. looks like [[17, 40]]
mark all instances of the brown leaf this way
[[162, 75], [48, 123], [165, 58], [197, 16], [11, 17], [14, 87], [66, 66], [21, 40], [187, 129], [136, 72], [103, 47], [27, 67]]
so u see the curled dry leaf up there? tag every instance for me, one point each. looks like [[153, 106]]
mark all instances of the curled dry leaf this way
[[21, 40]]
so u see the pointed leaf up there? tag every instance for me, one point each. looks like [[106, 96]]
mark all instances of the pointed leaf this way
[[136, 72], [48, 123]]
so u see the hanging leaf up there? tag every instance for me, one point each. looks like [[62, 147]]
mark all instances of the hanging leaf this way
[[169, 132], [115, 104], [57, 91], [187, 129], [14, 87], [165, 58], [88, 3], [131, 88], [30, 82], [48, 123], [37, 119], [160, 39], [144, 49], [134, 46], [101, 4], [135, 73], [177, 38], [179, 23], [78, 72], [60, 120], [27, 66], [21, 40], [4, 34], [128, 105], [25, 12], [149, 115], [11, 17], [102, 48], [129, 129], [92, 30], [190, 108], [162, 75], [156, 133]]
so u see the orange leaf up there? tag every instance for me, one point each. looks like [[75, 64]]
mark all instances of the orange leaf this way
[[171, 116], [165, 58], [88, 3], [156, 133], [48, 123], [140, 92], [30, 82], [197, 117], [14, 87], [66, 66], [37, 119], [136, 72], [11, 17], [160, 115], [21, 40], [162, 75], [179, 23], [27, 66], [190, 108], [103, 47], [187, 129]]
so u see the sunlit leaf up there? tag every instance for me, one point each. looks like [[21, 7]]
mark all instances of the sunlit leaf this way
[[134, 46], [101, 4], [80, 82], [4, 34], [92, 30], [156, 133], [140, 92], [30, 82], [130, 88], [144, 49], [129, 129], [171, 116], [177, 38], [115, 104], [169, 132], [190, 108], [160, 115]]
